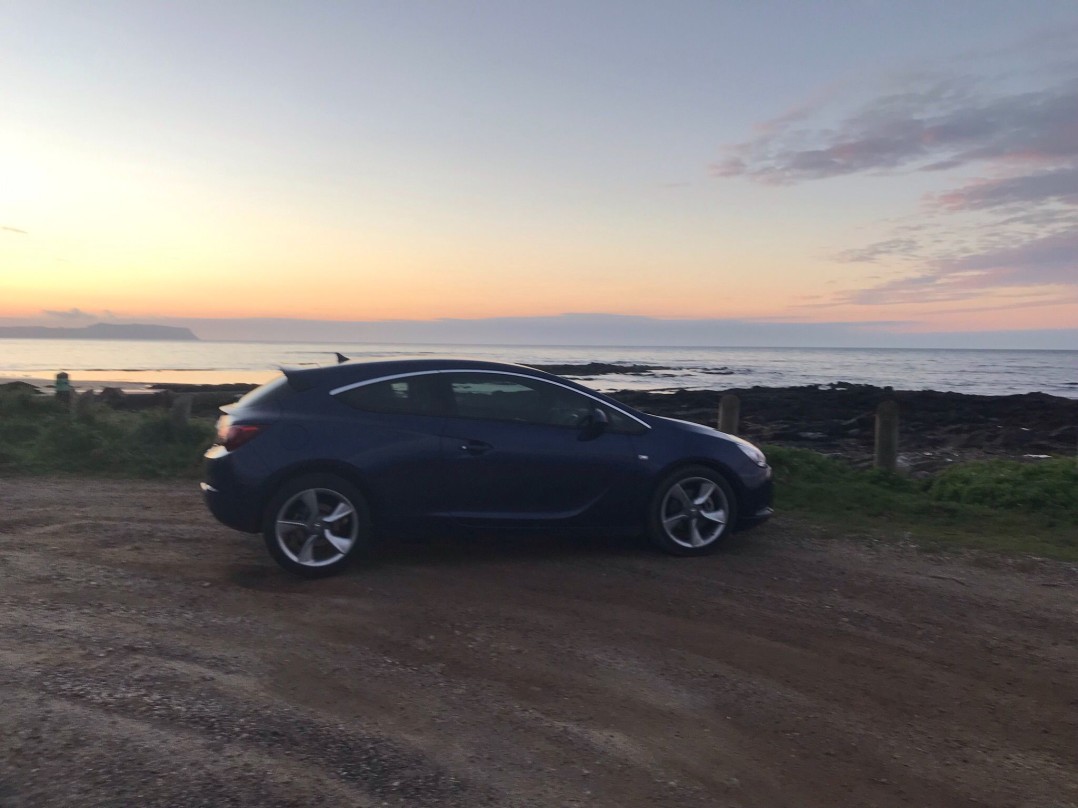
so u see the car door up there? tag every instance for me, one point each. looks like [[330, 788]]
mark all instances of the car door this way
[[516, 452], [393, 437]]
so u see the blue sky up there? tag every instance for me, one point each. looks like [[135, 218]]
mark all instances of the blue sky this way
[[911, 167]]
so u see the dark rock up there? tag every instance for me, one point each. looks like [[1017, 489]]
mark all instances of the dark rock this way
[[599, 369], [234, 387], [112, 396], [18, 387], [1013, 438], [929, 420]]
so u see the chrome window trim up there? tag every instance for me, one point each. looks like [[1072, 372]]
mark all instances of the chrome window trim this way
[[596, 399], [365, 382]]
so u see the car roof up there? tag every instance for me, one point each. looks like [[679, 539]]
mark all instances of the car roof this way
[[336, 378], [353, 371]]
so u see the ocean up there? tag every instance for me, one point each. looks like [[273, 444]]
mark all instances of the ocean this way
[[132, 364]]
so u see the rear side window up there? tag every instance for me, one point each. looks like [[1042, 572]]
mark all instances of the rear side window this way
[[411, 396], [271, 391]]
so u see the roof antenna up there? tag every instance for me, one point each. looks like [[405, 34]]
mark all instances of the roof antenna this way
[[341, 357]]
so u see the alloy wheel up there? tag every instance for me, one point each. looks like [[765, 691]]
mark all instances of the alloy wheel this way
[[316, 527], [694, 512]]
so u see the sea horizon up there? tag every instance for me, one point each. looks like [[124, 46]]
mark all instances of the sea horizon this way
[[137, 363]]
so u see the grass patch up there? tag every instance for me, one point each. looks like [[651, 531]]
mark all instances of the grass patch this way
[[39, 435], [1004, 506]]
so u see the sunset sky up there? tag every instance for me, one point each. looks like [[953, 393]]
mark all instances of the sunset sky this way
[[907, 166]]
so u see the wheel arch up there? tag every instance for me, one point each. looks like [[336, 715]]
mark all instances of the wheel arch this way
[[661, 530], [338, 468], [728, 474]]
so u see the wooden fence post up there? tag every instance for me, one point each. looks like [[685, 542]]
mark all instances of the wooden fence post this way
[[63, 388], [729, 413], [886, 456]]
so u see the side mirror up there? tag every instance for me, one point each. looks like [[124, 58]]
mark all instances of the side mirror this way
[[595, 424]]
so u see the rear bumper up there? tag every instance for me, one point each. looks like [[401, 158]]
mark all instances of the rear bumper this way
[[233, 503], [226, 510]]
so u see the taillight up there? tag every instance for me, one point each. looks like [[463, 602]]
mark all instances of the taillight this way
[[233, 436], [223, 423]]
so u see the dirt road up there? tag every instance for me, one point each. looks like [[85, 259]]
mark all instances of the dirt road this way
[[151, 657]]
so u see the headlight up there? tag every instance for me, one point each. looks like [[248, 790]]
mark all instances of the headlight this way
[[753, 454]]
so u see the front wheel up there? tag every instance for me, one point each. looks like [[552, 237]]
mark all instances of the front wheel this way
[[692, 510], [315, 524]]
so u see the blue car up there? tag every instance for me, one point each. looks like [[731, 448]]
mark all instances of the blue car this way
[[321, 460]]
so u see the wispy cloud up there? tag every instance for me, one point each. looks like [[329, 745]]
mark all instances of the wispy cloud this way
[[69, 314], [1053, 185], [881, 249], [1049, 260], [1044, 269], [949, 124], [1014, 227], [13, 230]]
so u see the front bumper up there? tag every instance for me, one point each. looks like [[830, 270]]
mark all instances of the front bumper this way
[[758, 518], [756, 503]]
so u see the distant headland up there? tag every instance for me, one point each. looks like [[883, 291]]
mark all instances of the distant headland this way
[[99, 331]]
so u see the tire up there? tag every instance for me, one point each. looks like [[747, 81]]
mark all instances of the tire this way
[[692, 510], [316, 524]]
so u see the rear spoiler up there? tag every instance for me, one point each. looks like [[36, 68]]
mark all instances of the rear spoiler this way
[[300, 379]]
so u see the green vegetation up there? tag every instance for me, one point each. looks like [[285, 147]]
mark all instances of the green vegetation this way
[[1000, 505], [40, 435]]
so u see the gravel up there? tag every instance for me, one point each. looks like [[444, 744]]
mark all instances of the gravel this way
[[149, 656]]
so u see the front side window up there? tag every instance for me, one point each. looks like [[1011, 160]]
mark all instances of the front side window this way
[[514, 398], [620, 422], [413, 395]]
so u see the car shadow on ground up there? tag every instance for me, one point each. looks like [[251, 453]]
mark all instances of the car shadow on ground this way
[[481, 548]]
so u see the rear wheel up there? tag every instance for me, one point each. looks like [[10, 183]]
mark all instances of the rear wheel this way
[[692, 510], [316, 524]]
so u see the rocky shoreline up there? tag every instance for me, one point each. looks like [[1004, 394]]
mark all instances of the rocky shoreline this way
[[935, 428]]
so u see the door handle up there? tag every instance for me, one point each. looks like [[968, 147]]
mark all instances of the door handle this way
[[475, 447]]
